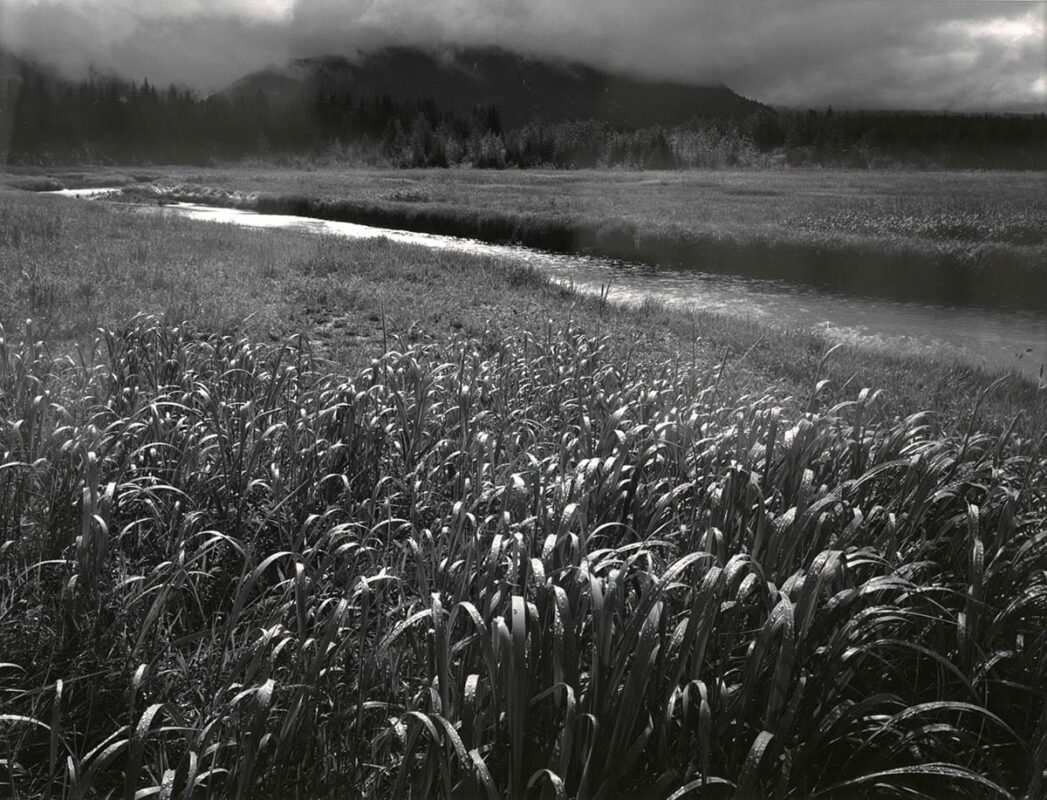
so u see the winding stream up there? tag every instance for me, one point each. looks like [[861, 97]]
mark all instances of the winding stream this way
[[999, 340]]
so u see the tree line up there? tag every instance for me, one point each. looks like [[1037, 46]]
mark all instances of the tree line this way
[[106, 119]]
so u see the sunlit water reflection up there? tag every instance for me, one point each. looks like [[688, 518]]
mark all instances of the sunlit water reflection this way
[[999, 340]]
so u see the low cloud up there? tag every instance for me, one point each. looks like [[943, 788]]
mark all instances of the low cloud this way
[[848, 53]]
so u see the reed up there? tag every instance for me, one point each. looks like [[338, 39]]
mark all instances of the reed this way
[[511, 569]]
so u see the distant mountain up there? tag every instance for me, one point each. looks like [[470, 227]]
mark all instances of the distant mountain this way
[[522, 88]]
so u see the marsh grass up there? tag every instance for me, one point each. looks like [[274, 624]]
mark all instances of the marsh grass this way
[[508, 567], [74, 266], [973, 207], [490, 538], [945, 238]]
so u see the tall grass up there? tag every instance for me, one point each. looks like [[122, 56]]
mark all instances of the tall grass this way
[[502, 569], [74, 267]]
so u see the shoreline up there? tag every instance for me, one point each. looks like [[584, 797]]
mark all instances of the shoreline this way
[[957, 238], [338, 291], [999, 276]]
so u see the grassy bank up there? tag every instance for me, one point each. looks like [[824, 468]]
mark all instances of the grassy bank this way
[[474, 535], [34, 179], [973, 207], [947, 237], [74, 266], [502, 572], [862, 237]]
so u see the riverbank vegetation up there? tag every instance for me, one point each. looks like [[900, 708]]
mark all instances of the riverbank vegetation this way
[[575, 551], [948, 238], [535, 560], [74, 266], [969, 207]]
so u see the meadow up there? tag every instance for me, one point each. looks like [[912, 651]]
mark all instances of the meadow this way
[[953, 238], [76, 266], [352, 519], [976, 207]]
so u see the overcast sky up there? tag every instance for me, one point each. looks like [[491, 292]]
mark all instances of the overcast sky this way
[[932, 54]]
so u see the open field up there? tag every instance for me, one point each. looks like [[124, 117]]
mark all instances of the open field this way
[[74, 266], [478, 536], [972, 207], [962, 238], [939, 237]]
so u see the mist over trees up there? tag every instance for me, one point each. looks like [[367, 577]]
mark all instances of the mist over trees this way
[[45, 120]]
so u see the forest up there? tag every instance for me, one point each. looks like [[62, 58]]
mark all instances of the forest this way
[[45, 120]]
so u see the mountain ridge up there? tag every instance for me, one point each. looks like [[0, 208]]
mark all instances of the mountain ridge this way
[[522, 88]]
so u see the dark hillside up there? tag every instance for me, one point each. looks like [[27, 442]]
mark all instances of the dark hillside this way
[[523, 89], [482, 108]]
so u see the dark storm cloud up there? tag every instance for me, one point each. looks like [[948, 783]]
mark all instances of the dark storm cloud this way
[[903, 53]]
